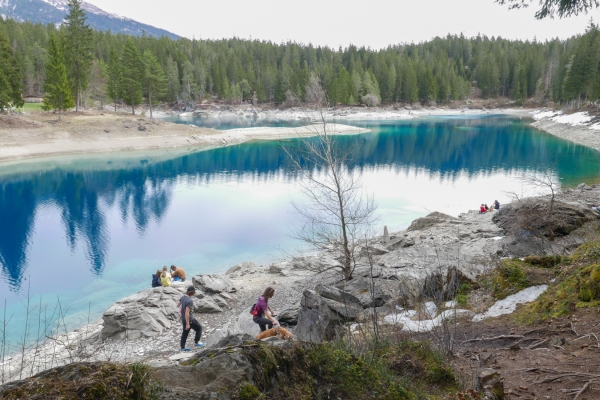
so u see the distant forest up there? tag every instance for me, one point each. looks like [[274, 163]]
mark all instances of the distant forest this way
[[237, 70]]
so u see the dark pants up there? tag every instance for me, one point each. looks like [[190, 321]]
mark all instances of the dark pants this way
[[195, 325], [263, 323]]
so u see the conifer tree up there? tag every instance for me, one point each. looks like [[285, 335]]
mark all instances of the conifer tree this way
[[133, 75], [114, 74], [10, 77], [78, 49], [155, 80], [57, 89]]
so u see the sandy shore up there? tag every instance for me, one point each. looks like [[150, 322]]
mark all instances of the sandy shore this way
[[41, 135], [38, 135]]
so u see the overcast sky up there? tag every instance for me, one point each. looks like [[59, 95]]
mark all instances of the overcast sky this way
[[374, 23]]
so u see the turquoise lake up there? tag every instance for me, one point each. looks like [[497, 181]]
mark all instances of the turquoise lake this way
[[91, 230]]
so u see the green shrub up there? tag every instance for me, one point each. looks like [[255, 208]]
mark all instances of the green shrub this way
[[249, 392], [510, 277]]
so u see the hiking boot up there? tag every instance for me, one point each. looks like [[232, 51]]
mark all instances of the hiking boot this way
[[186, 349], [200, 344]]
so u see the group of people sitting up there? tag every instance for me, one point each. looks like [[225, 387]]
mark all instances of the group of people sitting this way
[[484, 207], [165, 278]]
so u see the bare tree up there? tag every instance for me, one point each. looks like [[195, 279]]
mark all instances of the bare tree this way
[[314, 93], [337, 213]]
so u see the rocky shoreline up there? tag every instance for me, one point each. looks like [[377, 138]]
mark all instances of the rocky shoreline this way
[[428, 259]]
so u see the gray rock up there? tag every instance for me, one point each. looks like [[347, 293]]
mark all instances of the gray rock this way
[[432, 219], [145, 314], [214, 283], [289, 316], [361, 289], [206, 306], [241, 266], [338, 295], [221, 302], [488, 381], [309, 327], [207, 375]]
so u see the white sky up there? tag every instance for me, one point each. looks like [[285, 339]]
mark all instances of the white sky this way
[[374, 23]]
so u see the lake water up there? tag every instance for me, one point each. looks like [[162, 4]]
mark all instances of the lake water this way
[[91, 230]]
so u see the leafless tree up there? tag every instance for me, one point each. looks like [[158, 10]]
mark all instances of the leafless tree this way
[[314, 93], [337, 212], [371, 100]]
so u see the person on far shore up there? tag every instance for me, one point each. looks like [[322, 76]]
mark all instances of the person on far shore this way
[[264, 314], [165, 277], [178, 274], [482, 209], [188, 321], [156, 279], [496, 204]]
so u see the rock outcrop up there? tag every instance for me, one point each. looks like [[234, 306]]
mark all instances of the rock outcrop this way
[[144, 314], [323, 311]]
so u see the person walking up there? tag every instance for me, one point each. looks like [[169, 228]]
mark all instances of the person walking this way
[[188, 321], [264, 314]]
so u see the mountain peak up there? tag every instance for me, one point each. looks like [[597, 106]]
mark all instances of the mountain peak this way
[[54, 11]]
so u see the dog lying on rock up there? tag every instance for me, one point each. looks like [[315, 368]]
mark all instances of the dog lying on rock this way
[[281, 333]]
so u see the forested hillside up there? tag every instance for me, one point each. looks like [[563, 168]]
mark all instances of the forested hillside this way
[[440, 70]]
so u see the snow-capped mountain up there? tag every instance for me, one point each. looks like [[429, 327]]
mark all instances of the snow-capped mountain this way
[[54, 11]]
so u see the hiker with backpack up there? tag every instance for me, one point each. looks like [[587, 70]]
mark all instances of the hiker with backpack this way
[[262, 313], [186, 305]]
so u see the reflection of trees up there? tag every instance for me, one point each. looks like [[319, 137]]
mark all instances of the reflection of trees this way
[[143, 192], [82, 217], [17, 212]]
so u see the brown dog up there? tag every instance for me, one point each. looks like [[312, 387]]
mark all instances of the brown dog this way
[[281, 333]]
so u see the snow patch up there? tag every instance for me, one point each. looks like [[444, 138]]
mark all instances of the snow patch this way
[[509, 304], [575, 119], [411, 323], [542, 114]]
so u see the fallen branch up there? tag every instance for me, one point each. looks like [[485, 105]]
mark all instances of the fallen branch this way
[[541, 342], [493, 338]]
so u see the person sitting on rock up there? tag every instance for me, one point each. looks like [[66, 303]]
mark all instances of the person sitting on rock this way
[[187, 319], [156, 279], [178, 274], [482, 209], [165, 278], [496, 204], [264, 314]]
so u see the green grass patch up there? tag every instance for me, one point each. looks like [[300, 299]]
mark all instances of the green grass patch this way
[[514, 275], [510, 277], [578, 288], [405, 370], [29, 107]]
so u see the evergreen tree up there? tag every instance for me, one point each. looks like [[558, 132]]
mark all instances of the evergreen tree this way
[[155, 80], [57, 89], [133, 75], [10, 77], [584, 65], [114, 75], [78, 49]]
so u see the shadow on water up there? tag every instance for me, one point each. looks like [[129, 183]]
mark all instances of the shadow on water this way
[[143, 190]]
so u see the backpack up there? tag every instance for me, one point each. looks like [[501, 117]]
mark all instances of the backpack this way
[[253, 310]]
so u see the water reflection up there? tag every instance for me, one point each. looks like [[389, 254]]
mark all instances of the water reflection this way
[[142, 191]]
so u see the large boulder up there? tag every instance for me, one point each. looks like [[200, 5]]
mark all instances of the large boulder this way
[[534, 214], [367, 296], [428, 221], [532, 229], [145, 314], [320, 316], [206, 305], [214, 283]]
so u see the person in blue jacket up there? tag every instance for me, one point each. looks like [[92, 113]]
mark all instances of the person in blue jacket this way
[[156, 279]]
